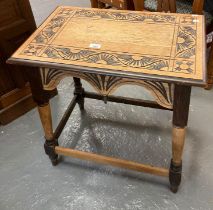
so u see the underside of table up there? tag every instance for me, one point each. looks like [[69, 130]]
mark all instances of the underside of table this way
[[167, 96]]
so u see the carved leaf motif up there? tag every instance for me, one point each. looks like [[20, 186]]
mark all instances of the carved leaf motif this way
[[105, 84], [121, 16], [186, 42], [152, 63]]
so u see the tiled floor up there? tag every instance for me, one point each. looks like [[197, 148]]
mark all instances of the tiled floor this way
[[28, 181]]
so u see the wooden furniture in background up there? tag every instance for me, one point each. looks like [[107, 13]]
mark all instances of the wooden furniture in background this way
[[210, 69], [119, 4], [170, 6], [16, 25], [91, 44]]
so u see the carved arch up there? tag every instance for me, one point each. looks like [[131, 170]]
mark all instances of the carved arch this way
[[105, 85]]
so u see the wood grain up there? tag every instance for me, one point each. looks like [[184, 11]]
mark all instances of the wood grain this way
[[75, 41], [181, 104], [16, 25], [197, 6], [139, 5], [112, 161], [178, 138], [14, 96], [17, 109], [46, 120]]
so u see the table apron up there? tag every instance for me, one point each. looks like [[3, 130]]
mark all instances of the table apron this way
[[105, 85]]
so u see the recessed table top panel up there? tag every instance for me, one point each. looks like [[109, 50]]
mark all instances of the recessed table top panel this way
[[165, 46]]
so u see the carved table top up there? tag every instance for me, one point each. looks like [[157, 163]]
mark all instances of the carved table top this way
[[143, 45]]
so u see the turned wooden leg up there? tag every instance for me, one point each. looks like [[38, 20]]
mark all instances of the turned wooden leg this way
[[180, 119], [178, 138], [79, 91], [42, 97], [50, 143]]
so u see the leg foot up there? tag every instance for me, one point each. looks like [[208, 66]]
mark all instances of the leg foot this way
[[51, 142], [49, 148], [175, 176], [55, 161], [174, 189]]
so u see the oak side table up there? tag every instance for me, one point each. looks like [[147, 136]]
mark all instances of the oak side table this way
[[164, 53]]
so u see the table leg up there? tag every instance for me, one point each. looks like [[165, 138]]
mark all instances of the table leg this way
[[50, 143], [79, 91], [180, 119], [42, 97]]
